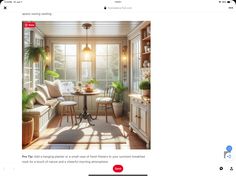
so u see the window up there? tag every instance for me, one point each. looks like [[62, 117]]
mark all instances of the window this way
[[65, 61], [32, 71], [73, 66], [27, 70], [107, 64], [135, 63], [37, 67]]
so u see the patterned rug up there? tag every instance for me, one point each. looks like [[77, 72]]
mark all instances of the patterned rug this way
[[101, 133]]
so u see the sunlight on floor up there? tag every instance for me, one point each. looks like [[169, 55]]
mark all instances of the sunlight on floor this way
[[132, 141]]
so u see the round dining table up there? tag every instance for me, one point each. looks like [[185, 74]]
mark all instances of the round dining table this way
[[85, 114]]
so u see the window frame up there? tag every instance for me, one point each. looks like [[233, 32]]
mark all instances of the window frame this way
[[93, 41]]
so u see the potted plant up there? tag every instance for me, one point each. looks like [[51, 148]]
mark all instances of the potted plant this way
[[27, 121], [145, 87], [118, 97], [34, 53]]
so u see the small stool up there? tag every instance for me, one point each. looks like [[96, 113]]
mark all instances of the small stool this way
[[68, 109]]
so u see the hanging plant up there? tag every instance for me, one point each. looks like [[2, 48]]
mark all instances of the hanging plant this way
[[33, 54]]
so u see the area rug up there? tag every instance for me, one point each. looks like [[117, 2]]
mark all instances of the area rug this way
[[101, 133]]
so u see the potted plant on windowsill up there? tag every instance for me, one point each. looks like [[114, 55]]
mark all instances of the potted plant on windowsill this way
[[145, 86], [27, 121], [118, 98], [34, 53]]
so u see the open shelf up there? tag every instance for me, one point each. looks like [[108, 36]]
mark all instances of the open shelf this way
[[146, 53], [146, 46], [148, 38]]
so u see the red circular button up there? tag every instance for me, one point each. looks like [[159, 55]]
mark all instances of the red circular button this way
[[117, 168]]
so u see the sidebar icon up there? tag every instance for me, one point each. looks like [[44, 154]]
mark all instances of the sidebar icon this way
[[227, 153]]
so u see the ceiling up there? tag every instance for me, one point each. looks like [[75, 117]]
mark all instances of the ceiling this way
[[75, 29]]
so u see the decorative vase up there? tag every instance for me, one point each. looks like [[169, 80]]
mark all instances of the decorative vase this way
[[145, 63]]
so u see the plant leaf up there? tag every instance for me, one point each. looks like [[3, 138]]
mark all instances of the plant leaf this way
[[54, 74], [26, 98]]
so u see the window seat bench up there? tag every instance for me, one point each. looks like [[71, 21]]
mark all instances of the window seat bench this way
[[42, 114]]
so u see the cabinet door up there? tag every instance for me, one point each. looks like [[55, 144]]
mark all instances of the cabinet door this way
[[134, 114], [135, 64], [143, 120]]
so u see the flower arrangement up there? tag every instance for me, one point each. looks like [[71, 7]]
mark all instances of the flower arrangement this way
[[89, 86]]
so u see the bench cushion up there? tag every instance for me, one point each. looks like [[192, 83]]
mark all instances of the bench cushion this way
[[38, 110]]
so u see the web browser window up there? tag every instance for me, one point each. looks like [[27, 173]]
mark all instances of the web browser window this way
[[118, 88]]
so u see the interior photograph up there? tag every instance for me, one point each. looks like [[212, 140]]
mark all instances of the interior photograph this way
[[86, 85]]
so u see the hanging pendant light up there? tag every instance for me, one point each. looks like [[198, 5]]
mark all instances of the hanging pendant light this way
[[86, 50]]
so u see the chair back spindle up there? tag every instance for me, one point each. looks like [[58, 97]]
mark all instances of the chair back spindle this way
[[109, 92]]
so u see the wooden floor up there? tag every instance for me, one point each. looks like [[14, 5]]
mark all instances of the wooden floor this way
[[133, 141]]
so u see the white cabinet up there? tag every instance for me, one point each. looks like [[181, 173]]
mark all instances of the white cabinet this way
[[140, 111]]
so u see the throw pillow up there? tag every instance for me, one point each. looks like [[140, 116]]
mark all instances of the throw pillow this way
[[44, 89], [41, 98], [54, 88]]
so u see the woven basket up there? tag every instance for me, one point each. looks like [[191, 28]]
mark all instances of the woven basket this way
[[27, 130]]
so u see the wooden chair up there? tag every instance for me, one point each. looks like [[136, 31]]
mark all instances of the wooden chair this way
[[106, 101]]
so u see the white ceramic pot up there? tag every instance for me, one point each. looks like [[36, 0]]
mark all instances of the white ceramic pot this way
[[118, 108]]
